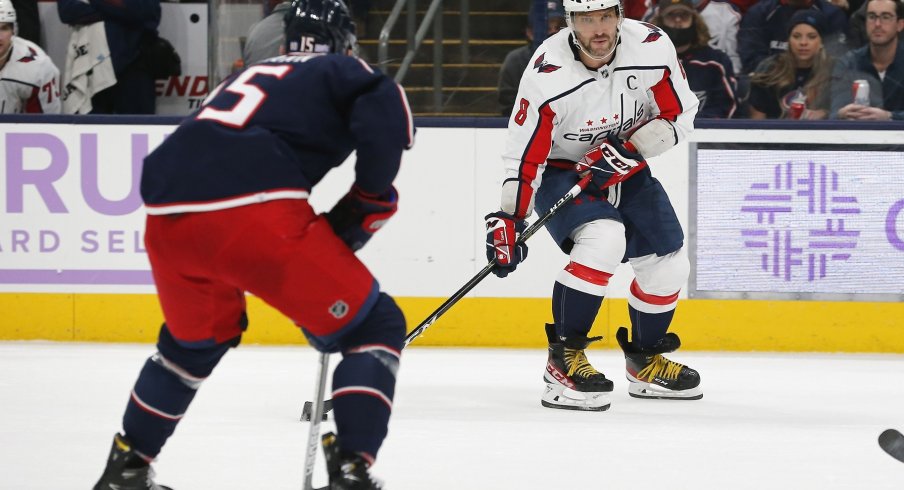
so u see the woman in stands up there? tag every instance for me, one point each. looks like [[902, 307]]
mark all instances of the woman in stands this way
[[794, 84]]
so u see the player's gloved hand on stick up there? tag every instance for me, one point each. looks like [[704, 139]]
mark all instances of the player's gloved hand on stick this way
[[611, 162], [358, 215], [503, 230]]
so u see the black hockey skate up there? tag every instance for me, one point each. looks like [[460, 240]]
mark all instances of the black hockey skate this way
[[653, 376], [126, 470], [571, 382], [347, 471]]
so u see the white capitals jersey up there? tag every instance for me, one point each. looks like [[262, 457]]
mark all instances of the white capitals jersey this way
[[563, 109], [29, 82]]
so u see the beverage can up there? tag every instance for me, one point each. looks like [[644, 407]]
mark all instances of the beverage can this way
[[860, 92], [795, 110]]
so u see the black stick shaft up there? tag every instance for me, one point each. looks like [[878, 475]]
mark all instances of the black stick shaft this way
[[571, 194]]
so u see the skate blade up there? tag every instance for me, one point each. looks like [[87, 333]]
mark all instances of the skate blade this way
[[557, 396], [602, 408], [643, 390]]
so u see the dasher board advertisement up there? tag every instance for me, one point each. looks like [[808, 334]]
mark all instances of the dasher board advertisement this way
[[798, 221]]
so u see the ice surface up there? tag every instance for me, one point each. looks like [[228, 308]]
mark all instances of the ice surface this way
[[468, 419]]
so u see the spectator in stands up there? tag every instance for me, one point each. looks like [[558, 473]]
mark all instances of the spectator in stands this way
[[856, 34], [29, 81], [764, 29], [635, 9], [849, 6], [709, 71], [794, 84], [743, 5], [131, 29], [722, 19], [880, 63], [517, 60], [267, 35]]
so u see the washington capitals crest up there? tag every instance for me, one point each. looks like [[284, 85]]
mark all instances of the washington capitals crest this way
[[542, 66], [654, 34], [29, 57]]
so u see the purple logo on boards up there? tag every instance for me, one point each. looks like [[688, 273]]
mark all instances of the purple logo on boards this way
[[789, 238]]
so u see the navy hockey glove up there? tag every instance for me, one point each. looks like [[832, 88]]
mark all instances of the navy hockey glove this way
[[502, 232], [611, 162], [357, 216]]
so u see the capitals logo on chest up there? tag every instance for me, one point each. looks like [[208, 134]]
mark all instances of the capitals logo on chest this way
[[594, 127]]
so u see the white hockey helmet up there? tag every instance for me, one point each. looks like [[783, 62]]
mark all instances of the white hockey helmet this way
[[575, 6], [588, 5], [7, 13]]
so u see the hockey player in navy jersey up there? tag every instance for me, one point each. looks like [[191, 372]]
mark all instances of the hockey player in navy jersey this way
[[601, 96], [226, 197]]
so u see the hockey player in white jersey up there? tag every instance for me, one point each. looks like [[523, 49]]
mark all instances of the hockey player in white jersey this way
[[601, 96], [29, 81]]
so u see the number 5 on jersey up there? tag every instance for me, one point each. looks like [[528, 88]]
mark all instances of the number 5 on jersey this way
[[251, 97]]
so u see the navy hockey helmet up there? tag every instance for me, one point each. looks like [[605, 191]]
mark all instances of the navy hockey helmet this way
[[319, 26]]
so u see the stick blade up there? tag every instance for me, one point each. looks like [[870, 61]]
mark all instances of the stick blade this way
[[892, 442], [308, 410]]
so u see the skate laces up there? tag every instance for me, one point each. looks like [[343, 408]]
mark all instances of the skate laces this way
[[578, 363], [660, 367]]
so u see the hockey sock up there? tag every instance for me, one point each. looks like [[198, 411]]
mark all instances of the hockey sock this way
[[164, 389], [576, 299], [364, 381], [650, 316], [157, 403]]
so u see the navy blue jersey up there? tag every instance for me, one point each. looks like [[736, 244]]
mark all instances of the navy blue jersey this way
[[711, 78], [275, 129]]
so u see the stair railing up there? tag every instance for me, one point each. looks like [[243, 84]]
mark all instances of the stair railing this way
[[415, 41]]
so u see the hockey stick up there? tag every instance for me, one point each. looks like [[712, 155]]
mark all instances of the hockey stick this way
[[892, 442], [529, 232], [310, 455]]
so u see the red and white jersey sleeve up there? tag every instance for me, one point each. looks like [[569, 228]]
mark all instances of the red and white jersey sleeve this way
[[670, 95], [29, 82], [563, 109]]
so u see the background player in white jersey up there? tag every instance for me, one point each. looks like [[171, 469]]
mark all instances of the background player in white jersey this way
[[601, 96], [29, 81]]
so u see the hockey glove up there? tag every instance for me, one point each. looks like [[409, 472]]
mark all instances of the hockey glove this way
[[502, 232], [611, 162], [357, 216]]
